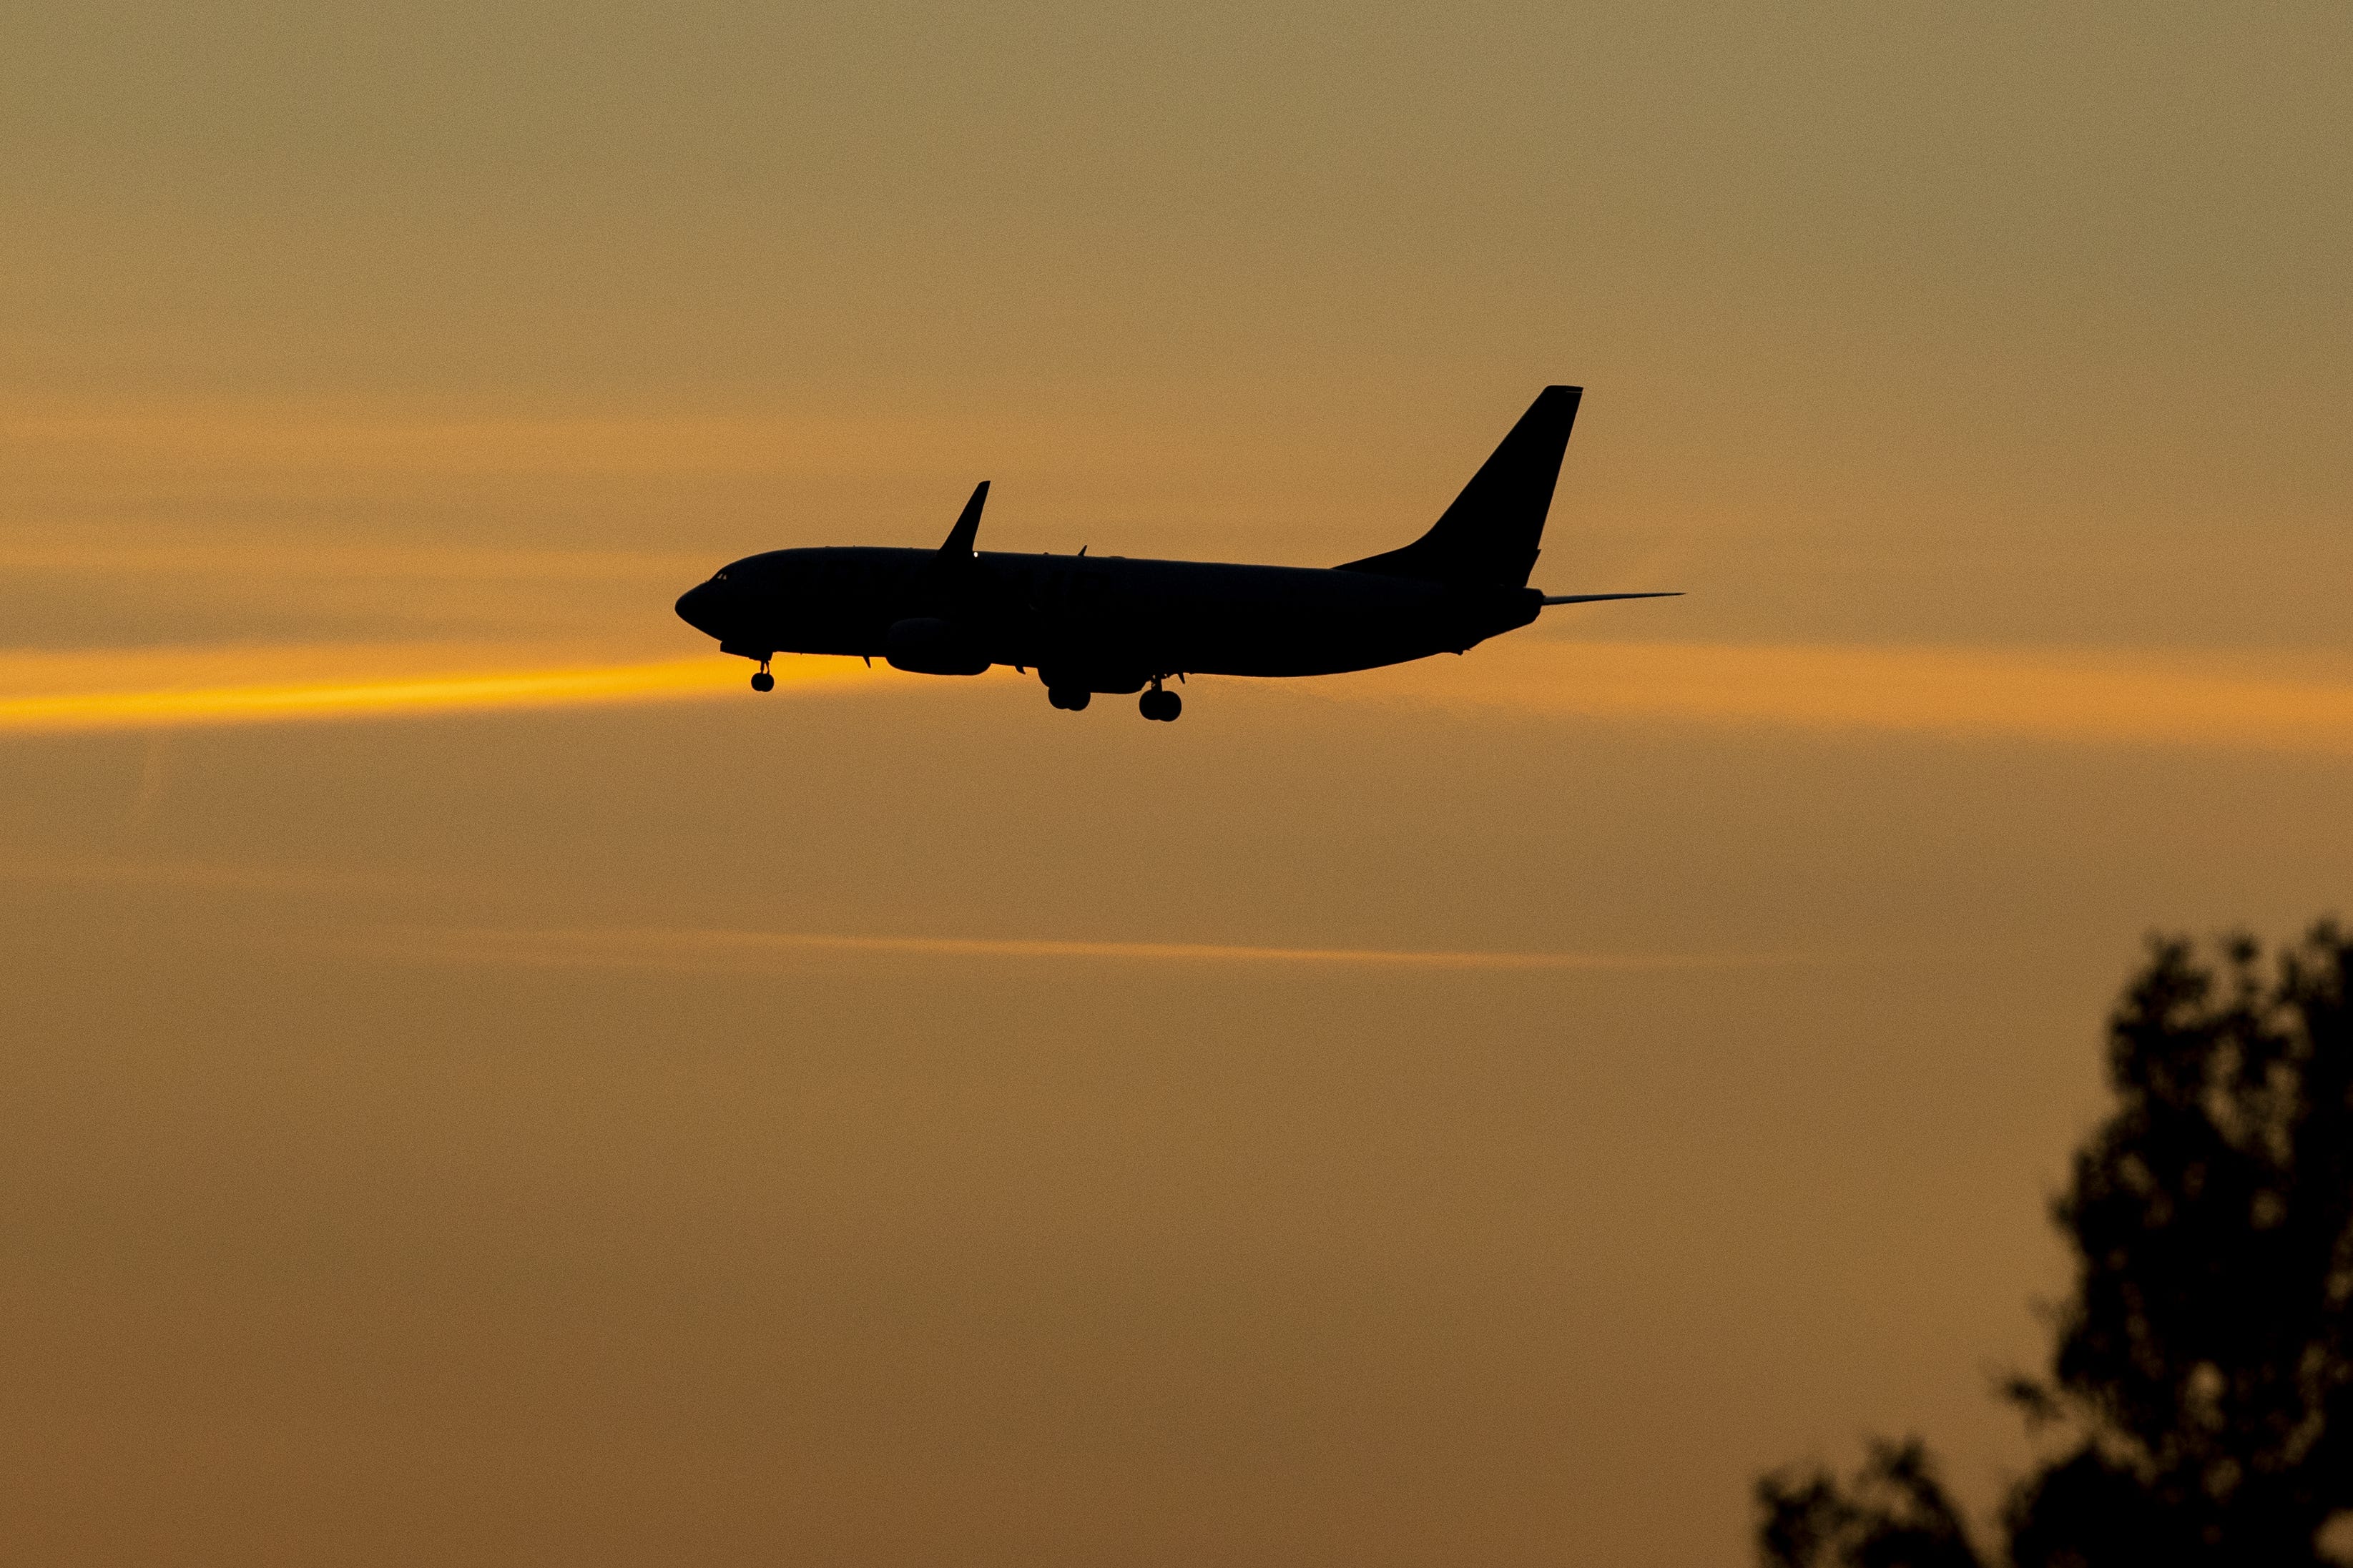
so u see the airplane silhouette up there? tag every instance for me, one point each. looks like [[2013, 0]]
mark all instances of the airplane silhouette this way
[[1105, 623]]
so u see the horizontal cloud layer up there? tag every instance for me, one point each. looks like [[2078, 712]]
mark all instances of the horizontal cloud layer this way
[[169, 687], [2074, 695], [2231, 701], [673, 949]]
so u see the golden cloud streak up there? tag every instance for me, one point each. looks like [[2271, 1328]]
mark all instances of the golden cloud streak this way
[[63, 694], [702, 951], [2066, 696], [305, 561], [223, 877], [2229, 702], [358, 443]]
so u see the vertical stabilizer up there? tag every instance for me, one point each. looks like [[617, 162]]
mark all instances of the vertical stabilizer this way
[[967, 526], [1491, 535]]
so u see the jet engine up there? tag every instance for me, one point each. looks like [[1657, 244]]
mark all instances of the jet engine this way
[[928, 646]]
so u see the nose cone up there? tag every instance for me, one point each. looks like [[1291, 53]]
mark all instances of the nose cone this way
[[699, 609]]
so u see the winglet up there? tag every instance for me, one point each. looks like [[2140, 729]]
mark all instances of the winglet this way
[[968, 525]]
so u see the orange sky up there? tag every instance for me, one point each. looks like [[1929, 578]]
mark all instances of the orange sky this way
[[483, 1086]]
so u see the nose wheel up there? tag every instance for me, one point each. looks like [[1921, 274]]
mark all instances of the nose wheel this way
[[763, 682], [1160, 705]]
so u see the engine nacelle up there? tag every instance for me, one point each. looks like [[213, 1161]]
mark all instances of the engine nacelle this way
[[925, 644]]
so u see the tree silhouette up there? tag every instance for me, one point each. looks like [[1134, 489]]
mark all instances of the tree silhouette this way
[[2201, 1383]]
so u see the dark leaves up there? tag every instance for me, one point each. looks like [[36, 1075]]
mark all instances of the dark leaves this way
[[1893, 1513], [2204, 1363]]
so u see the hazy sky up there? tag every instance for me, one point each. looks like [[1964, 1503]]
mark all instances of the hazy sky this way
[[479, 1086]]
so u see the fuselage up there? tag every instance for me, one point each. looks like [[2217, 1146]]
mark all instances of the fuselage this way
[[1094, 623]]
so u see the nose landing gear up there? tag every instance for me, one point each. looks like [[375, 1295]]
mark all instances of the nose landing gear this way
[[1160, 705], [763, 682]]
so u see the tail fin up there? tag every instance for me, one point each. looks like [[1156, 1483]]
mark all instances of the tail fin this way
[[1489, 536]]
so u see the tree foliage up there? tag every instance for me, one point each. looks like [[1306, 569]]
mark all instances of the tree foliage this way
[[2201, 1383], [1892, 1514]]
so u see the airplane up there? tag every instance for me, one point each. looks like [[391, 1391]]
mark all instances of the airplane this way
[[1105, 624]]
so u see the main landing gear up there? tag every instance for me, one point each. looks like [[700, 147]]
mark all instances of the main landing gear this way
[[1160, 704], [763, 682]]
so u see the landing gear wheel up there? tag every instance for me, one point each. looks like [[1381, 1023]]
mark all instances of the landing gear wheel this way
[[1162, 707], [763, 682], [1070, 699]]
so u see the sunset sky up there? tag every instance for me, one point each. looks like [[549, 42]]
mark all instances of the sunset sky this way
[[480, 1085]]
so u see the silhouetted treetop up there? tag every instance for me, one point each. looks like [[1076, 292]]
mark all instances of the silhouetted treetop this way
[[1892, 1514], [2202, 1378]]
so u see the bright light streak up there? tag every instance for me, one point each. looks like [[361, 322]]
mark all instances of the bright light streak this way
[[704, 950], [2066, 696], [91, 693]]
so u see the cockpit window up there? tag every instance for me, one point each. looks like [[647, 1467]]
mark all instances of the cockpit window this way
[[720, 576]]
